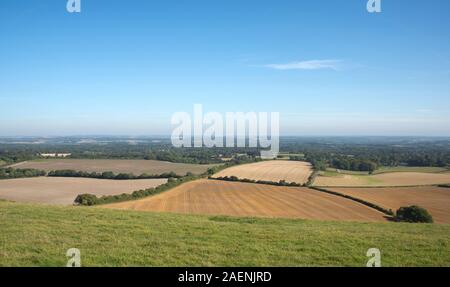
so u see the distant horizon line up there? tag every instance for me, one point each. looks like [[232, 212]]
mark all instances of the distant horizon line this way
[[169, 136]]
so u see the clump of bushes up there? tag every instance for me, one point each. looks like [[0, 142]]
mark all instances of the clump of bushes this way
[[413, 214]]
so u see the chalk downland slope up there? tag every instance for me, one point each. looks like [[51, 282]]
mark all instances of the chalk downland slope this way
[[384, 179], [136, 167], [215, 197], [435, 199], [274, 170], [59, 190]]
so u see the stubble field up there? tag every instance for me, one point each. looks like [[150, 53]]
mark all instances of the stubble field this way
[[435, 199], [63, 190], [274, 170], [215, 197], [136, 167]]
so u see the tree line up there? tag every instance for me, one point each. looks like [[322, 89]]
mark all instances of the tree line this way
[[8, 173]]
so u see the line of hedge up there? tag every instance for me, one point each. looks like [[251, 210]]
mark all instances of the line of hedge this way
[[311, 178], [111, 175], [8, 173], [369, 204], [267, 182], [90, 199]]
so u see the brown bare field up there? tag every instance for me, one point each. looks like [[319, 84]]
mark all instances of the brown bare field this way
[[59, 190], [136, 167], [274, 170], [215, 197], [385, 179], [435, 199]]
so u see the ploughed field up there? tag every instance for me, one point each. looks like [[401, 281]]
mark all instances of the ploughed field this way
[[383, 179], [216, 197], [136, 167], [274, 170], [59, 190], [435, 199]]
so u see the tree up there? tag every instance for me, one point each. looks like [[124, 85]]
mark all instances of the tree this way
[[413, 214]]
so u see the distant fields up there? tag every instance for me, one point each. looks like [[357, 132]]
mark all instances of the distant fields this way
[[59, 190], [383, 179], [274, 170], [136, 167], [34, 235], [216, 197], [435, 199]]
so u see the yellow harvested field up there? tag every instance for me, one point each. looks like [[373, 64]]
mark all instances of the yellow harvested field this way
[[136, 167], [384, 179], [274, 170], [435, 199], [63, 190], [214, 197]]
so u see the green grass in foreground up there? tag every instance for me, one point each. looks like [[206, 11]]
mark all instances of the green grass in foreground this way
[[33, 235]]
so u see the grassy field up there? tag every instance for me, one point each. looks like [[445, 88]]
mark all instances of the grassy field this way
[[2, 162], [214, 197], [33, 235], [330, 178], [426, 169], [386, 169], [136, 167]]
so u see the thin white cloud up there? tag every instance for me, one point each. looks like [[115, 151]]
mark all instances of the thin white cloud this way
[[308, 65]]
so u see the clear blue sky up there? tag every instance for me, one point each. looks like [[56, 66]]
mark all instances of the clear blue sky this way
[[124, 67]]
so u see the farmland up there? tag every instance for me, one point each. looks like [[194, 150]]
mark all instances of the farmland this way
[[383, 179], [52, 190], [35, 235], [435, 199], [245, 199], [275, 170], [117, 166]]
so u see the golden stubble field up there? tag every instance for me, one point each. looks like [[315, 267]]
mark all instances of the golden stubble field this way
[[435, 199], [274, 170], [136, 167], [64, 190], [384, 179], [214, 197]]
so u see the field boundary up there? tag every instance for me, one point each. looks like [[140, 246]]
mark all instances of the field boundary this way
[[362, 201], [380, 186], [265, 182]]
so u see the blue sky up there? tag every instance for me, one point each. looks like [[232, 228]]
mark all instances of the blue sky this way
[[124, 67]]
